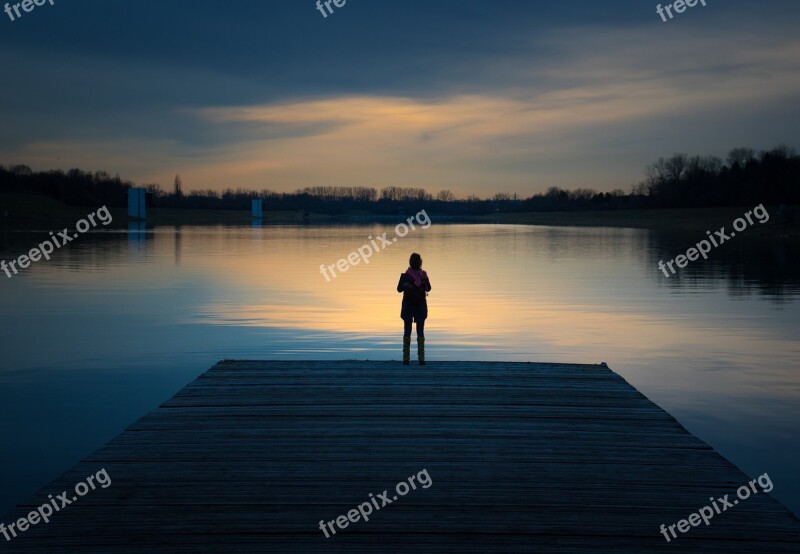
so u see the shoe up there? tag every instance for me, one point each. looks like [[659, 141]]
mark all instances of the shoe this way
[[421, 350], [406, 350]]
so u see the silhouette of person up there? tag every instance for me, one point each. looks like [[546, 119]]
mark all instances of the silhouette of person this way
[[415, 285]]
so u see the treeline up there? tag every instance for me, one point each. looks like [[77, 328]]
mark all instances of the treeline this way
[[331, 200], [744, 178], [74, 187]]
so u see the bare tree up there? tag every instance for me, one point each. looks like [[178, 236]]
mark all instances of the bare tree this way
[[445, 196], [709, 165], [741, 157], [676, 166], [583, 194], [154, 190]]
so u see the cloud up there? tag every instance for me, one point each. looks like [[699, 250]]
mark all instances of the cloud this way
[[469, 141], [574, 106]]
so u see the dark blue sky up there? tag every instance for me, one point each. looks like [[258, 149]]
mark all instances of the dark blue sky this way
[[475, 96]]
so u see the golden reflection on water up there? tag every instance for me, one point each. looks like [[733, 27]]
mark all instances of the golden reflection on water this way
[[724, 363], [557, 294], [717, 349]]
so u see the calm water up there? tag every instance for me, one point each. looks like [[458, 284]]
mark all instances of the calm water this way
[[118, 322]]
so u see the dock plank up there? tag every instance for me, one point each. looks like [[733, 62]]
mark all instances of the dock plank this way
[[523, 458]]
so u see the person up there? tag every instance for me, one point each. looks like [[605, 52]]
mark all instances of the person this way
[[415, 285]]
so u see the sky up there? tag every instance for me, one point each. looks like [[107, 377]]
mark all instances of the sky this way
[[477, 97]]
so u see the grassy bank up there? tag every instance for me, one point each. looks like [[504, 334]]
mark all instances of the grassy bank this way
[[700, 219], [32, 211], [35, 211]]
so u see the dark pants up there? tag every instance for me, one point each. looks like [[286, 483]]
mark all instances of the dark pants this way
[[420, 327]]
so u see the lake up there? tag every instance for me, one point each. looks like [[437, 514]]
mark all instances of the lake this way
[[119, 321]]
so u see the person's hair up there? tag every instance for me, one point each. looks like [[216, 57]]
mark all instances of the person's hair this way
[[415, 261]]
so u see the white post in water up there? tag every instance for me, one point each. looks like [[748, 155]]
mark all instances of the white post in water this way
[[258, 208], [136, 207]]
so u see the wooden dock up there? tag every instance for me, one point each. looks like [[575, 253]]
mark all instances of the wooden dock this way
[[522, 458]]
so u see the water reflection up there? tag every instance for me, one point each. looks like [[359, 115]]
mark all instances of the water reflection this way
[[717, 346], [746, 265], [137, 238]]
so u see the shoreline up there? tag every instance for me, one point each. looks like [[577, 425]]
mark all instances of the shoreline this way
[[29, 212], [679, 219]]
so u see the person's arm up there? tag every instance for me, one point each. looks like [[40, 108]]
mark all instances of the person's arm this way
[[427, 284]]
